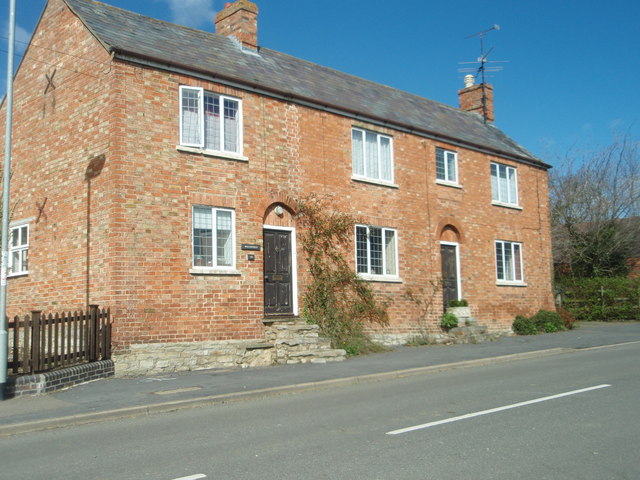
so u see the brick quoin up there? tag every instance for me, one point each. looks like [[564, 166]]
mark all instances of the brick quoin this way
[[109, 199]]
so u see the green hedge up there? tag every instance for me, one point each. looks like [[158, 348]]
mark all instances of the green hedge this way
[[601, 299]]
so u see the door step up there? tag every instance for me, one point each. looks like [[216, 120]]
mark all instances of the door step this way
[[296, 341]]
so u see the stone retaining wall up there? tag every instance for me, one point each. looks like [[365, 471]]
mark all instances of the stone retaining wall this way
[[464, 334], [285, 342]]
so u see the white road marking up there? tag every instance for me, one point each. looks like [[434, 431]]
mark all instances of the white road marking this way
[[192, 477], [494, 410]]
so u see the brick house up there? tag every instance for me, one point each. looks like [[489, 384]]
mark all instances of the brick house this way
[[156, 167]]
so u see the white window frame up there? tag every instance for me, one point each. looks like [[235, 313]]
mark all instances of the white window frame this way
[[200, 143], [214, 268], [21, 250], [515, 270], [369, 275], [511, 185], [449, 177], [364, 174]]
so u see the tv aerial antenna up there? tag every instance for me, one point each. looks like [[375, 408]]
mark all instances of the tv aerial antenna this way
[[483, 67]]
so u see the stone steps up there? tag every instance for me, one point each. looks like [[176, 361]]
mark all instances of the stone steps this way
[[296, 341]]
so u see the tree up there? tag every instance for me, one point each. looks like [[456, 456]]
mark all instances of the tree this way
[[594, 196]]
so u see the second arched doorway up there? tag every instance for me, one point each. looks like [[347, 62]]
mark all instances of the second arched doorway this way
[[450, 238]]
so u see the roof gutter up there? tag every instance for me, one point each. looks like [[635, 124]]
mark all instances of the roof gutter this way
[[311, 103]]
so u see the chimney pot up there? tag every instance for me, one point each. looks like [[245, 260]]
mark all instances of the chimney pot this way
[[469, 81]]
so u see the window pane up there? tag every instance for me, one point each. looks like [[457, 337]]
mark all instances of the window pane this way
[[508, 262], [371, 152], [231, 125], [25, 263], [375, 247], [190, 116], [24, 235], [202, 237], [499, 261], [224, 239], [357, 154], [212, 122], [361, 250], [494, 182], [517, 262], [390, 252], [440, 171], [15, 262], [513, 195], [385, 159], [451, 167], [503, 194]]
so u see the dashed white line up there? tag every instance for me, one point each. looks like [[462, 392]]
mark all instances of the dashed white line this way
[[495, 410], [192, 477]]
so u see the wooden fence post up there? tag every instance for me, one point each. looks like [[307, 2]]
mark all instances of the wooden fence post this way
[[35, 341], [94, 333]]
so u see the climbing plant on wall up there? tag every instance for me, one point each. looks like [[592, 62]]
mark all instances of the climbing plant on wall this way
[[335, 298]]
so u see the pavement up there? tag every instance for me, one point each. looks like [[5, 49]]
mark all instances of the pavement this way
[[115, 398]]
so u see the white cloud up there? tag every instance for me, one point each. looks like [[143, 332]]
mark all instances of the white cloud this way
[[22, 37], [192, 13]]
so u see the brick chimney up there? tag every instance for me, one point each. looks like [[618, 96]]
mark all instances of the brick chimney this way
[[239, 19], [477, 99]]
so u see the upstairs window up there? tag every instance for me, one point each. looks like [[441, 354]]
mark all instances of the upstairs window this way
[[376, 251], [509, 262], [504, 184], [210, 121], [446, 165], [18, 250], [372, 156], [213, 237]]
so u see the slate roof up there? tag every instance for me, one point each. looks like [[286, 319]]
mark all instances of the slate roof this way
[[132, 34]]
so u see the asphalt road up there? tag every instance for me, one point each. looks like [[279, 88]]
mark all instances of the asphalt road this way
[[504, 421]]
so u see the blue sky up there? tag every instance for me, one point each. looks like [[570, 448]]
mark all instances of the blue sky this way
[[571, 80]]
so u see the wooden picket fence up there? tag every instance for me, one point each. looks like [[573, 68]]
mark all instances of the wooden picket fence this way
[[39, 343]]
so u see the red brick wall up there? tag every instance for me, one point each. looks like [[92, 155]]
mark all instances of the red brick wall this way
[[56, 133], [139, 216]]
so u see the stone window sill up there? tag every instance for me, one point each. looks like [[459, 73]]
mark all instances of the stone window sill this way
[[511, 284], [506, 205], [444, 183], [214, 271], [213, 153], [379, 278], [381, 183]]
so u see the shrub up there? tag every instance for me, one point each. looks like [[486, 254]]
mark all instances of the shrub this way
[[459, 303], [548, 322], [543, 321], [567, 317], [524, 326], [449, 320]]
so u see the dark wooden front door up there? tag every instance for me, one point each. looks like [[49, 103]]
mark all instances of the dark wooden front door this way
[[278, 279], [449, 274]]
